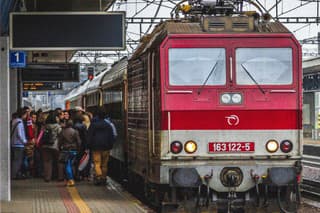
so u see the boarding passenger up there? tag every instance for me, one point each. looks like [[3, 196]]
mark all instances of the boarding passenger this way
[[30, 146], [38, 162], [69, 143], [49, 144], [18, 141], [88, 170], [66, 114], [28, 125], [100, 142], [61, 119], [82, 129], [87, 117]]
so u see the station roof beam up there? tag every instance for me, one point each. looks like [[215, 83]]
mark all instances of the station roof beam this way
[[68, 5]]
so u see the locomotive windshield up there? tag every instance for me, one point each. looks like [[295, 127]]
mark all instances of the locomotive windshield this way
[[194, 66], [264, 66]]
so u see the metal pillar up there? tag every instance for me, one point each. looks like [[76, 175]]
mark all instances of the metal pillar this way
[[318, 39], [5, 184], [13, 91]]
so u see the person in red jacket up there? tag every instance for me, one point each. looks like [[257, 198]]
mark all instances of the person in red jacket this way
[[28, 125]]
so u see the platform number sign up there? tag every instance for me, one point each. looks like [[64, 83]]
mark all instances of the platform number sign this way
[[25, 94], [17, 59]]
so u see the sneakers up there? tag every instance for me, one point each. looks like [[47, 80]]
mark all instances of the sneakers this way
[[70, 183]]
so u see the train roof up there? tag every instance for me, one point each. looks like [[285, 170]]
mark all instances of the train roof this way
[[171, 27], [71, 93], [82, 88], [116, 74], [95, 82], [79, 90]]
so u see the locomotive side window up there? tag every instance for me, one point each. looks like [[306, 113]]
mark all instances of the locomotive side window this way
[[265, 66], [197, 66]]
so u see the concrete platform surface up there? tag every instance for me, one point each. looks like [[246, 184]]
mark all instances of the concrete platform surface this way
[[37, 196]]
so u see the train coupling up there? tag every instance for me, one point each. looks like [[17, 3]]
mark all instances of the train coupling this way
[[231, 176]]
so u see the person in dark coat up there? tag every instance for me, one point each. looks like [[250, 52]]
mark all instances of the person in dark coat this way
[[50, 151], [100, 142], [69, 143]]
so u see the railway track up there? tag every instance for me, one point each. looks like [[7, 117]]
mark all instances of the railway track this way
[[310, 186]]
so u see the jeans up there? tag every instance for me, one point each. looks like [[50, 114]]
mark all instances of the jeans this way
[[71, 156], [16, 161]]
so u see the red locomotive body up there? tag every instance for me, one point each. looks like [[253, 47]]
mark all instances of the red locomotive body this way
[[209, 109], [215, 108]]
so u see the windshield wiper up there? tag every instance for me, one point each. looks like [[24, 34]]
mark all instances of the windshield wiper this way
[[254, 80], [210, 73]]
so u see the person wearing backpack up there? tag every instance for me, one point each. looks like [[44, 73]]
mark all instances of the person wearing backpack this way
[[100, 142], [49, 145], [69, 143], [82, 129], [18, 141]]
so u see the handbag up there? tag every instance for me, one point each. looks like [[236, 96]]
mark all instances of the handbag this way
[[84, 160]]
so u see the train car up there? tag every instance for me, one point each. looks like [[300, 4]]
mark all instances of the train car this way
[[214, 109], [76, 97], [94, 93], [114, 101]]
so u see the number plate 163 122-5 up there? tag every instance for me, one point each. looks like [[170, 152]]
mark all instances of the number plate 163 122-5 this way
[[231, 147]]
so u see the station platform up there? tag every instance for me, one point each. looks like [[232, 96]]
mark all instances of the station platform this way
[[37, 196]]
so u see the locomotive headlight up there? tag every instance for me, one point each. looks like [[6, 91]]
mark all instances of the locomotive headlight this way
[[226, 98], [190, 147], [236, 98], [272, 146]]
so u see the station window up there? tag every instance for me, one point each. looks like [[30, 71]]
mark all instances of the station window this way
[[265, 66], [197, 66]]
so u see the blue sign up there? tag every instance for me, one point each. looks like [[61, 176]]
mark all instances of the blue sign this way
[[25, 94], [18, 59]]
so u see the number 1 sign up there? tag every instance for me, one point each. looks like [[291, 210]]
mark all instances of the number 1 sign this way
[[17, 59]]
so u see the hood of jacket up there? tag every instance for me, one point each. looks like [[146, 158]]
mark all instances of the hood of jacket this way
[[16, 120]]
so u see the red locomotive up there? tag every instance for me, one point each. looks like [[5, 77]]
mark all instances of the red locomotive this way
[[210, 110]]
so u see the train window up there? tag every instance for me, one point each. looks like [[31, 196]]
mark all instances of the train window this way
[[112, 97], [197, 66], [265, 66]]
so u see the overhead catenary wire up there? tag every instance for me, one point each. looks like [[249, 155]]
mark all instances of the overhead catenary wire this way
[[142, 9], [155, 15], [292, 9], [300, 28]]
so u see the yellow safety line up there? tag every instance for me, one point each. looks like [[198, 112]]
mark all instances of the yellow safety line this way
[[83, 207]]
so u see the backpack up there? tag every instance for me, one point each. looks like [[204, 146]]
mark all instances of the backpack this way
[[46, 138]]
